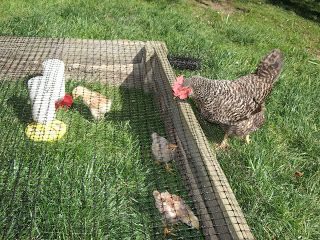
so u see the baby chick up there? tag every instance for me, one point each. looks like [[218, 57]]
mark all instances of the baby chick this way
[[173, 209], [96, 102], [162, 150]]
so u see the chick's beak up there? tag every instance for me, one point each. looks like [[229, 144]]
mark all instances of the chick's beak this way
[[172, 147]]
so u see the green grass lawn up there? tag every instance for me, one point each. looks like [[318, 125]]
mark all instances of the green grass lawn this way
[[276, 204], [96, 182]]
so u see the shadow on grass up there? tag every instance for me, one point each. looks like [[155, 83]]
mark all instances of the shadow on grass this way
[[139, 109], [21, 108], [19, 102], [84, 111], [212, 131], [142, 112], [306, 9]]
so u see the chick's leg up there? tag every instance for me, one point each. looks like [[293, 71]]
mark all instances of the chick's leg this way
[[166, 231]]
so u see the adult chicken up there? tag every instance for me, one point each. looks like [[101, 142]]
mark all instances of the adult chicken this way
[[237, 106]]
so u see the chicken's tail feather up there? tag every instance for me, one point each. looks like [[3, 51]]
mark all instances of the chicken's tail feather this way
[[270, 66], [191, 220]]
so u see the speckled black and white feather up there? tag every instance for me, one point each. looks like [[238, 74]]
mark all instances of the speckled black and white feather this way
[[245, 127], [238, 106]]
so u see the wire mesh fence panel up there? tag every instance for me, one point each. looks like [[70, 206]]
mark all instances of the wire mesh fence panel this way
[[107, 155]]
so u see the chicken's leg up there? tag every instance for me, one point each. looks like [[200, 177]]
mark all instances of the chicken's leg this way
[[168, 168], [224, 144], [247, 139]]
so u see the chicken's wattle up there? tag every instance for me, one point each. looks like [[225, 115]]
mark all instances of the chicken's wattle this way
[[179, 90]]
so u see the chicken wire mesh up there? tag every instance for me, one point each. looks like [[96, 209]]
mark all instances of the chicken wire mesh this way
[[99, 180]]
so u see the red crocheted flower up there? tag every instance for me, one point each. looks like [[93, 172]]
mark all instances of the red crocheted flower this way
[[65, 102]]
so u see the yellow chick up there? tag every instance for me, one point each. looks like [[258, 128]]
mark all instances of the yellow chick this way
[[98, 104]]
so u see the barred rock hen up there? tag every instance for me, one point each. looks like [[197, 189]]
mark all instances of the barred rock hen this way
[[237, 106], [173, 210]]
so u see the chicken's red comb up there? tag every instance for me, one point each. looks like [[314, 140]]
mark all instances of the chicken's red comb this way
[[178, 83], [180, 79]]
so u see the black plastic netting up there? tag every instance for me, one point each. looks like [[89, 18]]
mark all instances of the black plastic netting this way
[[84, 169]]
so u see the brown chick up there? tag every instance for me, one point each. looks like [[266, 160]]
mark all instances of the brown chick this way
[[173, 209], [98, 104], [162, 150]]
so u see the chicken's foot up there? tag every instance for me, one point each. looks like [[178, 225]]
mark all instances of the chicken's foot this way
[[168, 167], [247, 139], [167, 231], [224, 144]]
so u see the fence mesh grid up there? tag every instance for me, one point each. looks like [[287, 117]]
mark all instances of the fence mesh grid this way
[[97, 181]]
